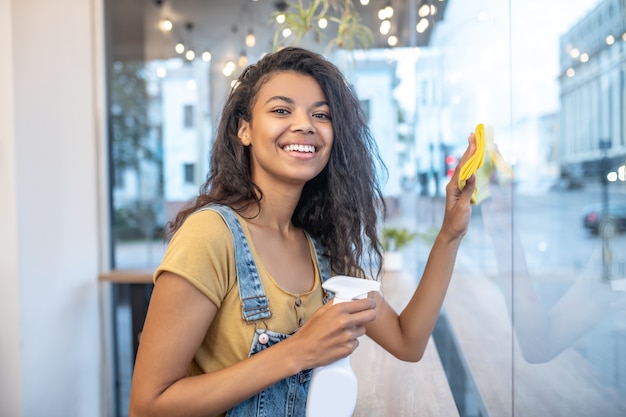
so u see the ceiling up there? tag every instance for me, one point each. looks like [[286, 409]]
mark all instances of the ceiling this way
[[220, 26]]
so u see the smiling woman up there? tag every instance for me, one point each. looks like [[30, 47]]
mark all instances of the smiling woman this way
[[239, 318]]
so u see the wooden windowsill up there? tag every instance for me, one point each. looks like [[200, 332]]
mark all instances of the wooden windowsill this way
[[127, 276]]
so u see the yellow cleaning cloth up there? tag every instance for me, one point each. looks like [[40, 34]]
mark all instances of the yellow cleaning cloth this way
[[476, 161], [494, 168]]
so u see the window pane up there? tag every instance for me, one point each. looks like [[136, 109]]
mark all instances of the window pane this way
[[149, 143], [534, 319], [549, 83]]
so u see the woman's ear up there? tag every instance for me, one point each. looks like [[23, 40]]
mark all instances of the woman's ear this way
[[244, 132]]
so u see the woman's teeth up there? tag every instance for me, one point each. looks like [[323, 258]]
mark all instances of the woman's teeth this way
[[299, 148]]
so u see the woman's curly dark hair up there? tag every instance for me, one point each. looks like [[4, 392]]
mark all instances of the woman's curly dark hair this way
[[341, 205]]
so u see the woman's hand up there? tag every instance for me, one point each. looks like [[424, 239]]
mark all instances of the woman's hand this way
[[332, 332], [458, 208]]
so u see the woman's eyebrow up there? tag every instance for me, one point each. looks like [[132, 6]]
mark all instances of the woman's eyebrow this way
[[291, 101], [320, 103], [280, 98]]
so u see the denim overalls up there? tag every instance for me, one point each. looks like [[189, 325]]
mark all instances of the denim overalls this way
[[287, 397]]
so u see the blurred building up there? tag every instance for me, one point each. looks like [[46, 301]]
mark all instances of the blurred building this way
[[593, 93]]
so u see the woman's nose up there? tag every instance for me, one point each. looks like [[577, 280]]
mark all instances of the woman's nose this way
[[302, 122]]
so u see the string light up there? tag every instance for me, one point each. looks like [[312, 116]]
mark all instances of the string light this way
[[179, 48], [250, 39], [385, 27], [206, 56], [243, 60], [229, 68], [322, 23], [166, 25], [422, 25]]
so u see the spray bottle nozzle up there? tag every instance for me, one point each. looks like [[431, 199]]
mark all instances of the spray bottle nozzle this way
[[348, 288]]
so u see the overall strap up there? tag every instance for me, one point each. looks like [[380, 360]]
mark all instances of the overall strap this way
[[323, 263], [254, 303]]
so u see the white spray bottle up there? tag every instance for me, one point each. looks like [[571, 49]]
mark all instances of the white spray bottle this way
[[333, 388]]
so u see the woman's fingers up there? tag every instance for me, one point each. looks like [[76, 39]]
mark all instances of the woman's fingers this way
[[334, 329]]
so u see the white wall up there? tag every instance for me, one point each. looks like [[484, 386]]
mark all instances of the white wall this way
[[50, 347], [10, 356]]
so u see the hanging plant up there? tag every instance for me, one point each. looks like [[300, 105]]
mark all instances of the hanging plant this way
[[301, 19]]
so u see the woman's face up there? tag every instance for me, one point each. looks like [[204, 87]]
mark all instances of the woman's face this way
[[290, 135]]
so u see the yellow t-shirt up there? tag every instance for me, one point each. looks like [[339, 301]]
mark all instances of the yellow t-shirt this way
[[202, 252]]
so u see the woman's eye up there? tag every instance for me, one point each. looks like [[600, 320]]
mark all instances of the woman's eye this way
[[281, 111], [324, 116]]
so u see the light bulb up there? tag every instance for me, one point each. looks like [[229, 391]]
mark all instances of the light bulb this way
[[229, 68], [250, 40], [166, 25], [422, 25], [385, 26]]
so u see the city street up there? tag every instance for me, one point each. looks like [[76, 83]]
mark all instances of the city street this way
[[549, 224], [550, 227]]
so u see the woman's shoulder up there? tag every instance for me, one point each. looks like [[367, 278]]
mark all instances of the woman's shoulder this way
[[206, 215], [202, 252], [204, 224]]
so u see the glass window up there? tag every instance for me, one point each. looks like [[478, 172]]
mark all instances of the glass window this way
[[534, 320], [189, 170], [188, 119]]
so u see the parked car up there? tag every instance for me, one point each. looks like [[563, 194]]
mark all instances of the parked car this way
[[614, 222]]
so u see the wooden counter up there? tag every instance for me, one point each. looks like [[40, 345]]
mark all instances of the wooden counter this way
[[390, 387], [127, 276]]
